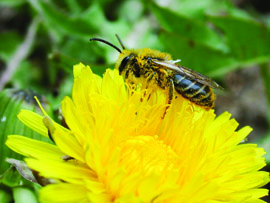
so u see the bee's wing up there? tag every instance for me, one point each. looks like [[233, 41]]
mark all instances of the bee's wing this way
[[189, 73]]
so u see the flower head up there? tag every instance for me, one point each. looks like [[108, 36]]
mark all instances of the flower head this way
[[120, 149]]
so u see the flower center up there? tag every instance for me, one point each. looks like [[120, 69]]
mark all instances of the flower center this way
[[148, 154]]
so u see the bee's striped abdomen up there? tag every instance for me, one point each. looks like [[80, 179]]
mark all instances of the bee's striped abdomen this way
[[194, 91]]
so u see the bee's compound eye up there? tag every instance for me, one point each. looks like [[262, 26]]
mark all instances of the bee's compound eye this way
[[123, 64]]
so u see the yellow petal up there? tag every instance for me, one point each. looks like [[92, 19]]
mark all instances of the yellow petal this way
[[69, 171], [33, 148], [33, 121], [67, 193]]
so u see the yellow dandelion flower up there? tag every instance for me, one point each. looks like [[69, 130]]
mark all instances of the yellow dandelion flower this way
[[117, 148]]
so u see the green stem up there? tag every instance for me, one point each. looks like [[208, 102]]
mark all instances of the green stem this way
[[265, 72]]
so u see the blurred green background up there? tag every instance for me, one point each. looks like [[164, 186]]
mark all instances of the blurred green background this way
[[40, 41]]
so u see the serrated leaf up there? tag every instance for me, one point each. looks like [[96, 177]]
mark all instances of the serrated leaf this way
[[195, 8], [188, 28], [120, 26], [197, 56], [249, 41], [11, 103]]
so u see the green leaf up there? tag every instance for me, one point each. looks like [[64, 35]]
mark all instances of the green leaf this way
[[9, 43], [76, 51], [24, 194], [131, 11], [249, 41], [197, 56], [95, 16], [11, 103], [74, 7], [195, 8], [120, 26], [61, 22], [188, 28], [88, 57], [198, 9], [11, 177], [5, 197], [11, 2]]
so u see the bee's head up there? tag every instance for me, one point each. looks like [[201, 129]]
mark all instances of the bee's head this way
[[125, 60]]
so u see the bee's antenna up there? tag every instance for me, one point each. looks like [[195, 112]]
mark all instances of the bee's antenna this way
[[122, 45], [106, 42]]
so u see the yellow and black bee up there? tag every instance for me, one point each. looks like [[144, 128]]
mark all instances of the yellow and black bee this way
[[156, 69]]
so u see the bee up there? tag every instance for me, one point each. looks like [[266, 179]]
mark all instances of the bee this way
[[157, 69]]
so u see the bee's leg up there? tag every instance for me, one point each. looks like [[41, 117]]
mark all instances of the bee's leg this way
[[169, 97], [148, 80], [127, 72], [130, 84]]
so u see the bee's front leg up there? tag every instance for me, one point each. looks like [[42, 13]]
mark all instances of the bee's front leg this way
[[150, 78], [169, 96], [127, 72]]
